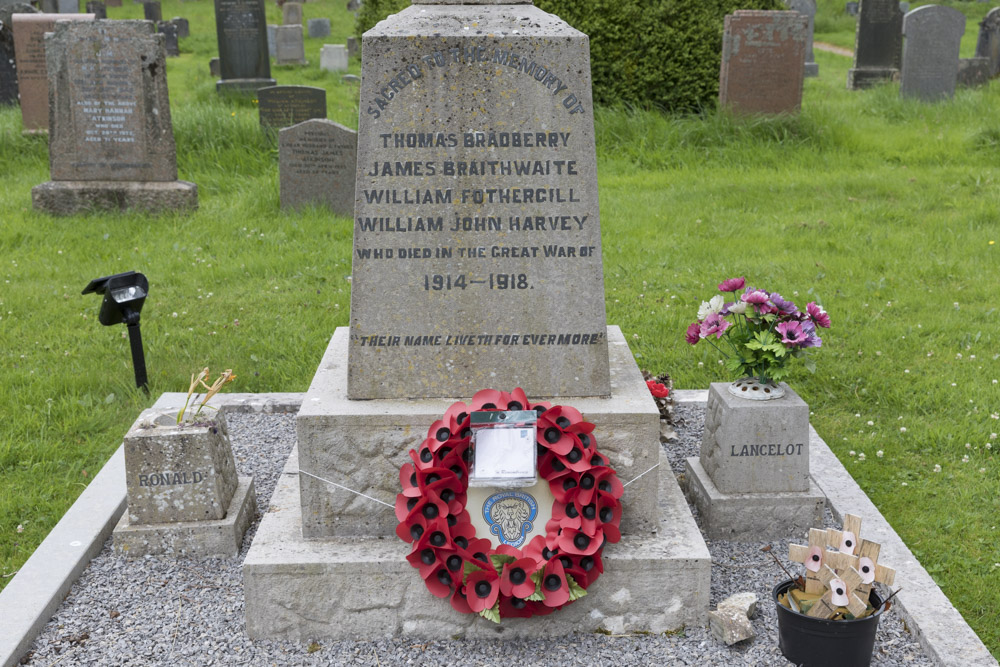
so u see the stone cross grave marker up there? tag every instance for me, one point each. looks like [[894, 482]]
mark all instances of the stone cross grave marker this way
[[808, 9], [763, 60], [98, 9], [317, 161], [933, 35], [291, 13], [477, 246], [32, 75], [241, 29], [878, 44], [282, 106], [988, 44], [333, 58], [318, 27], [152, 11], [170, 34], [289, 46], [111, 143]]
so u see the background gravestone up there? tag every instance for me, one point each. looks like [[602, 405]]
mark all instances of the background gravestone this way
[[241, 29], [333, 58], [98, 9], [317, 161], [763, 58], [49, 6], [291, 13], [8, 62], [319, 27], [973, 72], [933, 36], [111, 141], [289, 46], [851, 8], [878, 44], [808, 9], [170, 34], [152, 11], [32, 75], [183, 26], [68, 6], [113, 3], [271, 49], [352, 46], [988, 44], [281, 106], [213, 67]]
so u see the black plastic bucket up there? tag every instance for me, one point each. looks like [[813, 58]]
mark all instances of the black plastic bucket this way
[[818, 642]]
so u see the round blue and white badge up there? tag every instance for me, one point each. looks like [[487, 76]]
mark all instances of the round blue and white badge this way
[[510, 515]]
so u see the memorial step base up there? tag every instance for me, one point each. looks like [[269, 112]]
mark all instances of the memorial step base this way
[[860, 78], [73, 197], [363, 588]]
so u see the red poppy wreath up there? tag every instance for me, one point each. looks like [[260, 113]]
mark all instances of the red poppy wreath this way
[[551, 570]]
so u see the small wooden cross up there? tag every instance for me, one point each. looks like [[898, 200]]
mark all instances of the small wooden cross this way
[[850, 579], [798, 553], [850, 539]]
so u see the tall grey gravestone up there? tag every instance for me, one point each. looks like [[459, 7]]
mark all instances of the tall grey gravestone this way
[[152, 11], [170, 32], [243, 58], [878, 44], [933, 36], [111, 141], [988, 44], [317, 162], [476, 264], [808, 9]]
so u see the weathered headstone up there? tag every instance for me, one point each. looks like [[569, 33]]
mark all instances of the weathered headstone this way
[[291, 13], [111, 141], [282, 106], [476, 263], [851, 8], [333, 58], [184, 495], [98, 9], [152, 11], [751, 480], [213, 67], [271, 47], [318, 27], [763, 58], [353, 5], [933, 36], [170, 42], [352, 46], [878, 44], [973, 72], [68, 6], [808, 9], [183, 26], [317, 164], [988, 44], [242, 33], [289, 47], [32, 76]]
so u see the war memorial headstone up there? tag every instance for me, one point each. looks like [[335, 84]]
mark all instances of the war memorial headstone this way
[[933, 35], [111, 141], [32, 75], [98, 9], [973, 72], [152, 11], [878, 44], [988, 43], [808, 9], [317, 164], [282, 106], [763, 59], [170, 38], [476, 264], [289, 46], [242, 35], [318, 27], [291, 13], [333, 58]]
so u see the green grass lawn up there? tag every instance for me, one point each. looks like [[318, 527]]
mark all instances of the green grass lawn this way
[[884, 211]]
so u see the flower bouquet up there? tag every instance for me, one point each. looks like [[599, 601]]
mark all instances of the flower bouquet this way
[[758, 332]]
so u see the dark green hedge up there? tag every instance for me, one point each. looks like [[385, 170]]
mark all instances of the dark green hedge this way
[[647, 53]]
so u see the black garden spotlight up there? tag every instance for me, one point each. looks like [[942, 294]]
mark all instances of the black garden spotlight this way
[[124, 294]]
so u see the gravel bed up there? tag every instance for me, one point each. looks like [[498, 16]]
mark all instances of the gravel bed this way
[[161, 611]]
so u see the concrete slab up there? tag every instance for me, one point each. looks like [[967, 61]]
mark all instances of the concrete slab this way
[[751, 516], [217, 538], [348, 588], [362, 444]]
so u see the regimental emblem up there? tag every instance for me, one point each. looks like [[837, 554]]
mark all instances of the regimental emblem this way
[[510, 515]]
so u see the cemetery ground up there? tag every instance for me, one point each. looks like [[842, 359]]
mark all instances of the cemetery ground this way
[[883, 210]]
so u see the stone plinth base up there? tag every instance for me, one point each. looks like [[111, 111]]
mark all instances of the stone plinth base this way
[[350, 588], [751, 516], [220, 538], [72, 197], [860, 78], [363, 444], [242, 87]]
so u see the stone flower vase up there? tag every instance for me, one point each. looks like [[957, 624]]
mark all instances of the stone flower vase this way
[[753, 389]]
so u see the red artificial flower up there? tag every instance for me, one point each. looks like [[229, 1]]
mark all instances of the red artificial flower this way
[[489, 399], [516, 608], [609, 513], [554, 585], [577, 543], [440, 581], [481, 589], [657, 389], [518, 400], [538, 550], [408, 480], [566, 515], [515, 580], [459, 602]]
